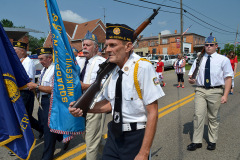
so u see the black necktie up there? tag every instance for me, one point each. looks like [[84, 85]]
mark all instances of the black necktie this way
[[207, 81], [83, 71], [117, 114]]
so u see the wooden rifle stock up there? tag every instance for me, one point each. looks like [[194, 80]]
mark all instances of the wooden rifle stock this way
[[198, 60], [85, 101]]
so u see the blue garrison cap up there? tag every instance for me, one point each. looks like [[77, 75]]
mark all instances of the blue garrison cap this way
[[119, 31], [211, 39], [74, 49], [90, 36]]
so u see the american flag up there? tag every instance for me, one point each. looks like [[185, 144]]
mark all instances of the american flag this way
[[186, 30]]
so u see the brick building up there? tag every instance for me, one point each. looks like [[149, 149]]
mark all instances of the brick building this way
[[76, 32], [170, 44]]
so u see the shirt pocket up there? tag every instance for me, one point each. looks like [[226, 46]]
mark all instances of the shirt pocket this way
[[133, 103], [111, 95]]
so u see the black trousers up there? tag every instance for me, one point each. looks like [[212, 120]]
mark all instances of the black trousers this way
[[124, 148], [28, 100], [180, 77], [49, 137]]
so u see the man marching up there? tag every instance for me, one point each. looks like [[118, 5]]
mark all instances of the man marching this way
[[214, 72], [132, 101]]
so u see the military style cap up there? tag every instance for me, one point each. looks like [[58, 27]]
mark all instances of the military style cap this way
[[90, 36], [19, 44], [41, 51], [119, 31], [74, 49], [211, 39]]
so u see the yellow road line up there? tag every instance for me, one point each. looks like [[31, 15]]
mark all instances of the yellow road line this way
[[81, 156], [72, 152], [175, 107], [174, 103]]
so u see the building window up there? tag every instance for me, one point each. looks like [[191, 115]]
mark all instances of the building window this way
[[164, 41], [164, 50], [152, 43], [154, 50], [184, 39]]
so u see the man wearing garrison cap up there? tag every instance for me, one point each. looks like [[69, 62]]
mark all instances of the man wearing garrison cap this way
[[89, 67], [45, 88], [131, 96], [27, 96], [214, 72]]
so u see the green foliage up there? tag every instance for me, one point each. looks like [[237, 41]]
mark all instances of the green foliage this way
[[35, 43], [6, 23], [230, 47]]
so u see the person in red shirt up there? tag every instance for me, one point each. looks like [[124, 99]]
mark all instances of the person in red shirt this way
[[233, 60], [160, 70]]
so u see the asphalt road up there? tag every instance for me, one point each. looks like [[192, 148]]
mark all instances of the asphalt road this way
[[174, 129]]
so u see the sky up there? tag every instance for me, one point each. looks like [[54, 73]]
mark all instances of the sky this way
[[221, 17]]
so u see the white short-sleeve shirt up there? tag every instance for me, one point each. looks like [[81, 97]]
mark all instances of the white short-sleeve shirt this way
[[220, 68], [47, 79], [29, 67], [134, 108]]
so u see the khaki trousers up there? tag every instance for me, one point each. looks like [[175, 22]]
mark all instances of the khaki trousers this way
[[94, 130], [207, 103]]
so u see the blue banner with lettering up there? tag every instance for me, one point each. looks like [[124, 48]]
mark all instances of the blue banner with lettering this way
[[67, 86], [15, 129]]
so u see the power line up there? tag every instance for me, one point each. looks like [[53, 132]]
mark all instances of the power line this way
[[159, 4], [178, 13], [144, 7], [210, 24], [203, 25], [188, 13], [132, 4], [203, 15]]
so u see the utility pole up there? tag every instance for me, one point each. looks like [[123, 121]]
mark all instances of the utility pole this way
[[236, 40], [181, 13], [104, 16]]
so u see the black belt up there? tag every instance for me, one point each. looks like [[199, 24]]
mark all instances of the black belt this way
[[210, 87]]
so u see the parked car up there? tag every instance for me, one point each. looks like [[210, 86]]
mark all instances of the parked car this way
[[168, 60], [190, 56], [190, 62]]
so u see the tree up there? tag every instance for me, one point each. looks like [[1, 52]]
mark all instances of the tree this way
[[35, 43], [7, 23], [227, 47]]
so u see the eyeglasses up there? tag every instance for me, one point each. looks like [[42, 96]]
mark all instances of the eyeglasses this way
[[206, 45]]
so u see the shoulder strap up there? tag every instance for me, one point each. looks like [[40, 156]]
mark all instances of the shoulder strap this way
[[91, 69], [135, 76]]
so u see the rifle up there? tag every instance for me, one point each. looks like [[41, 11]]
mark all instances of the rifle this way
[[198, 60], [85, 101]]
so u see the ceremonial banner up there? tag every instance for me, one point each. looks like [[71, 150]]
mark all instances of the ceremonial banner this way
[[67, 86], [15, 129]]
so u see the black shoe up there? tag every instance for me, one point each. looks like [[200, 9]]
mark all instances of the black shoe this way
[[194, 146], [66, 145], [11, 154], [40, 135], [211, 146]]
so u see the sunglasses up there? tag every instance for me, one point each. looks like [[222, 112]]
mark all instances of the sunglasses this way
[[206, 45]]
